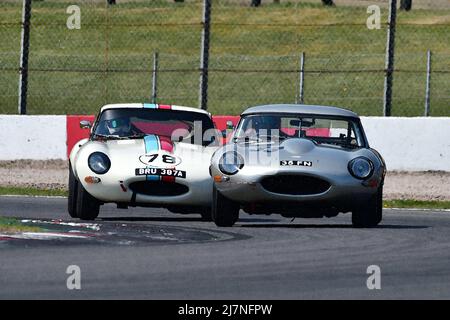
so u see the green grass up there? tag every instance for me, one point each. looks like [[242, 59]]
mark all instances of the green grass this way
[[32, 191], [124, 37], [419, 204], [11, 225], [386, 203]]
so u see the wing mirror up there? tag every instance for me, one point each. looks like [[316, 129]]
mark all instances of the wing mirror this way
[[229, 128], [85, 124], [224, 133]]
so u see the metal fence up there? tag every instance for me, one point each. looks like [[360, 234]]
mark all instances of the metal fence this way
[[87, 53]]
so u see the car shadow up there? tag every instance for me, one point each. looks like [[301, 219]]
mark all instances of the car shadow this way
[[177, 219], [325, 226], [151, 219], [258, 220], [174, 219]]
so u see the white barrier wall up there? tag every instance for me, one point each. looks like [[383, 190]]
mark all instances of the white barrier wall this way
[[409, 144], [32, 137]]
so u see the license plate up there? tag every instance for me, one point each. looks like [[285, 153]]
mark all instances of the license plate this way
[[285, 163], [161, 172]]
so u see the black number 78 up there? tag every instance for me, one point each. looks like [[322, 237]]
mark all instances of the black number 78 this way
[[165, 158]]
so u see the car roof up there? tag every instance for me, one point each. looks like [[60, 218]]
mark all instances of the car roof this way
[[301, 108], [152, 106]]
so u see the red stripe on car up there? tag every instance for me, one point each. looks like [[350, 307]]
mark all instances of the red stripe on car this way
[[166, 144], [168, 179]]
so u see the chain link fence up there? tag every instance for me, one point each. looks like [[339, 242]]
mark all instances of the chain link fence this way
[[254, 55]]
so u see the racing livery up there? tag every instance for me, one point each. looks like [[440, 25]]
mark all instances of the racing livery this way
[[143, 155], [298, 161]]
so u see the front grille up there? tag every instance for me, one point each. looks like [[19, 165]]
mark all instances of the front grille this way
[[158, 188], [295, 184]]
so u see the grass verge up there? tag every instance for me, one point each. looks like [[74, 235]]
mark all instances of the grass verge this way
[[418, 204], [32, 191], [11, 225], [408, 203]]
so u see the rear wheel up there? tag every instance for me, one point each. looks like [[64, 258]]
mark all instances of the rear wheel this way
[[73, 190], [371, 214], [225, 212], [87, 207]]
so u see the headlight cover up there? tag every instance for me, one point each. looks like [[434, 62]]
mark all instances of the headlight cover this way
[[230, 163], [99, 162], [361, 168]]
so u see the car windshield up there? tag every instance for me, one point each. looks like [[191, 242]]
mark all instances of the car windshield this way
[[128, 123], [337, 131]]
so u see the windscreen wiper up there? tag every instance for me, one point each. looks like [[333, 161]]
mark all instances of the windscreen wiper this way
[[135, 136], [108, 136]]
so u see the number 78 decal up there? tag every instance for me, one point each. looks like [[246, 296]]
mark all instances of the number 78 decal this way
[[159, 159]]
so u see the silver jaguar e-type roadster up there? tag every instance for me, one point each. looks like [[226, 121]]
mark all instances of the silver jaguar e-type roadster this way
[[298, 161]]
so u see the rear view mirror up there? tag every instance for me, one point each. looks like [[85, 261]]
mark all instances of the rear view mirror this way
[[295, 123], [308, 122], [85, 124]]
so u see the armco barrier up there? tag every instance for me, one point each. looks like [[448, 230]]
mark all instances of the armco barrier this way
[[409, 144], [32, 137], [74, 132]]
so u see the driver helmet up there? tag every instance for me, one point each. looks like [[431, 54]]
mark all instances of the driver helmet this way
[[118, 126], [266, 123]]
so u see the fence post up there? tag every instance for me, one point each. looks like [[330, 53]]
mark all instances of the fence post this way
[[24, 54], [204, 57], [428, 88], [154, 77], [301, 84], [390, 46]]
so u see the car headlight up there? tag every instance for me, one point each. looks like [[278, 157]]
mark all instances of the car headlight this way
[[99, 162], [361, 168], [230, 163]]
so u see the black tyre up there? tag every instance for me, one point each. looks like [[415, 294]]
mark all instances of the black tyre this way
[[225, 212], [87, 207], [73, 190], [371, 214]]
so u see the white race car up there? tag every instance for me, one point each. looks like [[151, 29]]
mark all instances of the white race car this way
[[144, 155]]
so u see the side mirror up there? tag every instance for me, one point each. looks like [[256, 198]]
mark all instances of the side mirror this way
[[230, 125], [224, 133], [85, 124]]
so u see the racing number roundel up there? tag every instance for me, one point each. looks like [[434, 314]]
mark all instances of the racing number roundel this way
[[160, 160]]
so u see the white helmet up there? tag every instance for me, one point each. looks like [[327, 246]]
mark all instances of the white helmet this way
[[119, 126]]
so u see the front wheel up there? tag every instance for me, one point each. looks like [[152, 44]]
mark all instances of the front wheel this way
[[370, 214], [88, 207], [225, 212], [73, 191]]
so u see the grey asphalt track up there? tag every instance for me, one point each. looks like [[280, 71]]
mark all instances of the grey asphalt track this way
[[262, 257]]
